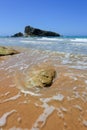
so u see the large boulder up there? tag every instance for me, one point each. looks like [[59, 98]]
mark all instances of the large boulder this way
[[40, 77], [30, 31], [7, 51], [18, 35]]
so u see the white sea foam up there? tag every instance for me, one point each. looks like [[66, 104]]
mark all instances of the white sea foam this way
[[4, 117], [78, 107], [50, 39], [42, 118], [85, 123], [79, 39], [27, 41], [30, 92], [37, 42], [58, 97], [11, 98], [48, 110], [79, 67], [86, 81], [64, 109]]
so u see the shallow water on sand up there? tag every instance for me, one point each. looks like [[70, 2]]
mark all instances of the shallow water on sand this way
[[62, 106], [72, 45]]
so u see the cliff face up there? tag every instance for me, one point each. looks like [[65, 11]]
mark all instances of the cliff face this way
[[30, 31]]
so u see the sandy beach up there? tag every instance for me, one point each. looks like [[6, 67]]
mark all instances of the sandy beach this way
[[43, 65], [61, 106]]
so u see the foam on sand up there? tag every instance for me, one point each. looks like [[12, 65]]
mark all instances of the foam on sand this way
[[4, 117]]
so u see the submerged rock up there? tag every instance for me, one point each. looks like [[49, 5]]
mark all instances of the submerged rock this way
[[41, 77], [7, 51], [30, 31]]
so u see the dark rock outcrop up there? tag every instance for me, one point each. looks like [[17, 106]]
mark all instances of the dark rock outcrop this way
[[18, 35], [30, 31], [7, 51]]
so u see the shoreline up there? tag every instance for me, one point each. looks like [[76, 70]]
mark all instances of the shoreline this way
[[63, 105]]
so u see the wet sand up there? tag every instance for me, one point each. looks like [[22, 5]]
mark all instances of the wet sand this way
[[62, 106]]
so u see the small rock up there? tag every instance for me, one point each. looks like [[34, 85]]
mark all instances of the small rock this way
[[41, 77], [7, 51]]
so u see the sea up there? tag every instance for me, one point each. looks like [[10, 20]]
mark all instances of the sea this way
[[74, 48], [63, 105], [67, 44]]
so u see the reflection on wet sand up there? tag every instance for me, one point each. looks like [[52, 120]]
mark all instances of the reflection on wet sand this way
[[62, 106]]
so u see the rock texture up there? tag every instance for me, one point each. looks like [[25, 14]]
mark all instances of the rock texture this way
[[30, 31], [18, 35], [41, 77], [7, 51]]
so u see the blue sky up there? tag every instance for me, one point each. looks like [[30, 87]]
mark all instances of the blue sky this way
[[68, 17]]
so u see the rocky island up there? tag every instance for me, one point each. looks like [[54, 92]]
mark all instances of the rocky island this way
[[31, 31]]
